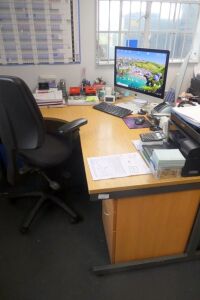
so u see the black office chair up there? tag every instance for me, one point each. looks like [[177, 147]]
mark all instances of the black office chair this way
[[31, 145]]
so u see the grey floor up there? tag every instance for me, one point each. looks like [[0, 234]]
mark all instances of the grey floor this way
[[54, 261]]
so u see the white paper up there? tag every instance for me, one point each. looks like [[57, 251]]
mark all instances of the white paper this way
[[191, 114], [129, 105], [137, 144], [103, 196], [115, 166], [51, 95]]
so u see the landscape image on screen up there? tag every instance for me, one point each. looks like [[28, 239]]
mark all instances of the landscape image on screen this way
[[141, 70]]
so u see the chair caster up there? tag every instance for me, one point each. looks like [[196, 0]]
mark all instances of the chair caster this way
[[74, 220], [13, 201], [24, 230]]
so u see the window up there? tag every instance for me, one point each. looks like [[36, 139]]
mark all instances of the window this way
[[152, 24], [39, 32]]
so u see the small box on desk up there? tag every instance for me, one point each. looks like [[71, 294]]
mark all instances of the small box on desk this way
[[163, 162], [166, 163], [165, 173], [74, 91]]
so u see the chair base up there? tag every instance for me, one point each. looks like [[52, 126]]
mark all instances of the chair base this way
[[43, 198]]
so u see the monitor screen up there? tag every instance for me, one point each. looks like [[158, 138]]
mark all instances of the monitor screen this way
[[141, 70]]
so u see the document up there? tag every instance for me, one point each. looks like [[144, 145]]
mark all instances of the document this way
[[118, 165], [190, 114], [51, 97], [129, 105], [137, 144]]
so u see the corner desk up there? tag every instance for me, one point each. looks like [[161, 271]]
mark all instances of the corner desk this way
[[147, 221]]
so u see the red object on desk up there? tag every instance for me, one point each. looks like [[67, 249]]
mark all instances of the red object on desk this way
[[89, 90], [74, 91], [98, 86]]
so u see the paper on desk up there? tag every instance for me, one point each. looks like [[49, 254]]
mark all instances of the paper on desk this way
[[129, 105], [49, 95], [190, 114], [119, 165], [137, 144]]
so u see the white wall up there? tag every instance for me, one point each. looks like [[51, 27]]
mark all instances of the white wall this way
[[73, 73]]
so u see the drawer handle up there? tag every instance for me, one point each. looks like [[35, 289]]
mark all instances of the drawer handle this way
[[106, 213]]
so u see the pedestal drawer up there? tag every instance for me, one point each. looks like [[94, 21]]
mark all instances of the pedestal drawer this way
[[109, 223]]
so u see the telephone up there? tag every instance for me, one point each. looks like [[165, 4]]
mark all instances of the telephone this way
[[162, 108]]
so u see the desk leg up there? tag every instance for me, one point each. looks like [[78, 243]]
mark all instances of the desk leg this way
[[194, 240], [145, 263]]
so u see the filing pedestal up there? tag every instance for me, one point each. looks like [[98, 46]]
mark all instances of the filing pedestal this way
[[149, 226]]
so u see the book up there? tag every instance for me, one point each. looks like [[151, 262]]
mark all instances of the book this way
[[147, 150], [151, 143], [51, 97]]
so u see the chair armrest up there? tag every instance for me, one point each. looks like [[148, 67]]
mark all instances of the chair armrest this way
[[72, 126]]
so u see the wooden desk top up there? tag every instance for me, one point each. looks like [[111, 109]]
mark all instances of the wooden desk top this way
[[105, 135]]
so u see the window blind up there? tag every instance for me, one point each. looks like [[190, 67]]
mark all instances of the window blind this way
[[39, 32]]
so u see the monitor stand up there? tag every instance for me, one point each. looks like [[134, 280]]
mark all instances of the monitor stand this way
[[145, 103]]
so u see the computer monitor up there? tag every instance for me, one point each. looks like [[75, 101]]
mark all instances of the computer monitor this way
[[141, 70]]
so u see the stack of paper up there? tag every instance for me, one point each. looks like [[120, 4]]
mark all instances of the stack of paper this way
[[190, 114], [167, 158], [51, 97]]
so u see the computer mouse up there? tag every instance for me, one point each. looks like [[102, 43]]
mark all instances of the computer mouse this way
[[142, 112], [139, 121], [155, 128]]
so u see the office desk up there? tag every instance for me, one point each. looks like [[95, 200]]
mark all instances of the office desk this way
[[144, 218]]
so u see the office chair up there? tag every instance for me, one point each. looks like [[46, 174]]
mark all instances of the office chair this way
[[30, 145]]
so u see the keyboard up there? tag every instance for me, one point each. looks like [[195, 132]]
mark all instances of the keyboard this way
[[113, 110]]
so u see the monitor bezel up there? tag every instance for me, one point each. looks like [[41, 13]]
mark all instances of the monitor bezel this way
[[167, 52]]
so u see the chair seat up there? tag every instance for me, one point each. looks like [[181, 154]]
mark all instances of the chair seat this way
[[54, 151]]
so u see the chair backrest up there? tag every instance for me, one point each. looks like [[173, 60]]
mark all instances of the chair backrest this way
[[21, 122]]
